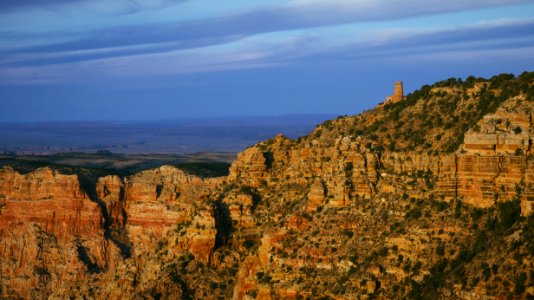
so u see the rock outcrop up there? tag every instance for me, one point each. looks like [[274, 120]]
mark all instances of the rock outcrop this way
[[410, 200], [49, 231], [505, 132], [54, 236]]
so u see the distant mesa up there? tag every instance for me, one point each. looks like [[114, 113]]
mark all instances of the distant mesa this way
[[398, 94]]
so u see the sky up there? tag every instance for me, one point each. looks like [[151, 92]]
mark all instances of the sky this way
[[67, 60]]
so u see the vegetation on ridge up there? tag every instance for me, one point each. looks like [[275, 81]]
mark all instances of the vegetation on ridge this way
[[434, 118], [326, 216]]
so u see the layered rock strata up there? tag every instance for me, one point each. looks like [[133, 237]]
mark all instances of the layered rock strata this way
[[54, 236], [331, 215]]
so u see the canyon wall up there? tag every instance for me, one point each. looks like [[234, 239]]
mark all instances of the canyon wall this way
[[332, 214], [348, 171], [55, 237]]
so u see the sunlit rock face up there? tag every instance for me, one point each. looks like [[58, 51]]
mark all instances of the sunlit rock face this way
[[46, 224], [349, 171], [333, 214], [54, 236]]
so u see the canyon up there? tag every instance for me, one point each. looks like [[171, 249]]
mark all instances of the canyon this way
[[440, 206]]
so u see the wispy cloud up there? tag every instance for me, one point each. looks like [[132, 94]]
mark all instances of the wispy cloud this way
[[498, 31], [261, 37], [295, 15], [267, 51], [99, 6], [59, 57], [14, 5]]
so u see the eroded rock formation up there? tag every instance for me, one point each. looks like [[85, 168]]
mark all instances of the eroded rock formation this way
[[55, 237], [386, 204]]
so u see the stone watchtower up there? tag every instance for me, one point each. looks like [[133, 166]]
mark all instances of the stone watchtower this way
[[398, 93]]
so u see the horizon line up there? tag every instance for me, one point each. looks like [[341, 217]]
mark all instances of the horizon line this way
[[329, 114]]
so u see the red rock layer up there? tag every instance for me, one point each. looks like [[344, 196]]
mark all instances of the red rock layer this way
[[53, 237], [44, 220], [347, 170]]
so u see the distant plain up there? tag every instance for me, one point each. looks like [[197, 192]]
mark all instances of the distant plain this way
[[203, 147], [183, 136]]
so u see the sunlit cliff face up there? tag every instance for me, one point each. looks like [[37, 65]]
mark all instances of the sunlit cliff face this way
[[338, 213]]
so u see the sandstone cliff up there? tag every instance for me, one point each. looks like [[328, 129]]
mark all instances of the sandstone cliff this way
[[430, 197], [349, 172], [56, 240]]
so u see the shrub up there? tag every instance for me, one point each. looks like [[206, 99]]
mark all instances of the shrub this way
[[440, 250], [509, 214], [519, 283], [414, 213], [348, 233]]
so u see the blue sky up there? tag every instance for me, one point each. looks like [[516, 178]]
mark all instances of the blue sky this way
[[146, 60]]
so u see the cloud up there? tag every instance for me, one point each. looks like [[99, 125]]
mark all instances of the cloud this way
[[496, 37], [96, 5], [497, 31], [295, 15], [269, 51], [249, 40], [13, 5], [59, 57]]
